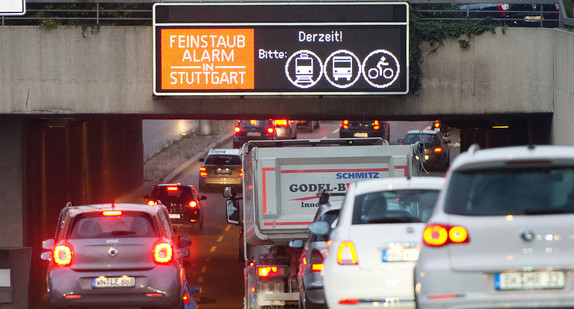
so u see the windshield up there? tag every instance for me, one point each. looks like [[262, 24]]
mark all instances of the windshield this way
[[517, 191], [398, 206]]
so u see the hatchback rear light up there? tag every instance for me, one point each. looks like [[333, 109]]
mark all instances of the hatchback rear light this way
[[151, 202], [316, 261], [193, 204], [436, 235], [63, 255], [162, 253], [202, 172], [347, 255]]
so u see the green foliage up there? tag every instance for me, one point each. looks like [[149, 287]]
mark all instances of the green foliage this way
[[435, 32]]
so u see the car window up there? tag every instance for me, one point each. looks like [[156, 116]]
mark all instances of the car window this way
[[427, 139], [222, 160], [516, 191], [164, 219], [254, 123], [397, 206], [328, 217], [172, 194], [123, 226]]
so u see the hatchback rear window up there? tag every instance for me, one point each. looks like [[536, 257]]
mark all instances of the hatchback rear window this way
[[223, 160], [511, 191], [398, 206], [172, 194], [125, 225]]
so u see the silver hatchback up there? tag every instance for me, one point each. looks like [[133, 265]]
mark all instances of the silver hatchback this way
[[501, 233], [115, 255]]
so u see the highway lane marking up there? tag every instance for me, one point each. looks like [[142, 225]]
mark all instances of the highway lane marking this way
[[203, 269], [212, 249], [228, 227], [220, 238]]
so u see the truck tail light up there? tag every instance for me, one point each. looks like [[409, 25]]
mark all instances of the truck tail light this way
[[172, 189], [270, 130], [347, 255], [316, 261], [344, 124], [237, 130], [162, 253], [202, 172], [63, 255], [280, 123], [437, 235], [376, 125], [193, 204], [270, 271]]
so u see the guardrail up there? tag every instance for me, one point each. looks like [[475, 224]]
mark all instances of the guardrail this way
[[139, 12]]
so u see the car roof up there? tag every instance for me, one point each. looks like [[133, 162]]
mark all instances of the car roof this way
[[221, 151], [397, 183], [513, 156], [96, 208]]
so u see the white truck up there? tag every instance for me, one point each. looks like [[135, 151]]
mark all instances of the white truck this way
[[281, 180]]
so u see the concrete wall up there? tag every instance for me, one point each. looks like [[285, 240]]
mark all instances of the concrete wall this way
[[563, 124], [61, 71]]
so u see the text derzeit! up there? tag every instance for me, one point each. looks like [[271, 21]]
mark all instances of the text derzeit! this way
[[333, 36]]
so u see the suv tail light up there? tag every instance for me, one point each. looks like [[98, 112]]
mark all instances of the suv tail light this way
[[347, 255], [437, 235], [63, 254], [316, 261], [162, 253], [202, 172]]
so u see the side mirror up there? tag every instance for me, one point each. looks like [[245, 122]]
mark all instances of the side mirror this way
[[184, 241], [202, 197], [296, 243], [46, 255], [319, 228], [229, 192], [232, 212], [184, 252]]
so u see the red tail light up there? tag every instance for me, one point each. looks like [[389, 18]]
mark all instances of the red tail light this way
[[347, 255], [269, 271], [345, 124], [270, 130], [162, 253], [63, 255], [172, 188], [193, 204], [202, 172], [241, 172], [316, 261], [186, 297], [376, 125], [112, 213], [237, 130], [436, 235], [151, 202], [437, 150], [281, 123]]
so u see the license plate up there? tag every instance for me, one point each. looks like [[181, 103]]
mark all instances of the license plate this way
[[253, 133], [400, 254], [114, 282], [529, 280], [174, 216], [361, 134], [533, 18]]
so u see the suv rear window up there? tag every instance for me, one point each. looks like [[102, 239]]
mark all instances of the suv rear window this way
[[124, 226], [427, 139], [511, 191], [397, 206], [172, 194], [223, 160]]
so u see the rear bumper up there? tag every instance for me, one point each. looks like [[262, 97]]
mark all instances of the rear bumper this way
[[159, 286]]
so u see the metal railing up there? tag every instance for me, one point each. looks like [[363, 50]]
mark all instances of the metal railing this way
[[52, 13]]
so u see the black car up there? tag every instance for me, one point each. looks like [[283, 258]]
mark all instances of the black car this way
[[182, 202], [364, 128], [246, 130], [437, 152]]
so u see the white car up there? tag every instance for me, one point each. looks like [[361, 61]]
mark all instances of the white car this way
[[501, 235], [375, 243]]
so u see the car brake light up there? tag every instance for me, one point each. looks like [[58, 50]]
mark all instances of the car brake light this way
[[112, 213], [345, 124], [202, 172], [186, 298], [241, 172], [281, 123], [151, 203], [376, 125], [436, 235], [193, 204], [270, 130], [269, 271], [63, 255], [316, 261], [162, 253], [347, 255], [237, 130], [172, 188], [437, 150]]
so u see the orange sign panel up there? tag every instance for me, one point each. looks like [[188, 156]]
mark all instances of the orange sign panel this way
[[207, 59]]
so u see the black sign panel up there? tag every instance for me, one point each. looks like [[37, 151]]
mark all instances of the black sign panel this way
[[281, 49]]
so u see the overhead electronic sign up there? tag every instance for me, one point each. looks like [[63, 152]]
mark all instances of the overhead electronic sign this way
[[296, 48]]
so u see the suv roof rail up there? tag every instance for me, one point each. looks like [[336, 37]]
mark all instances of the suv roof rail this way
[[473, 148], [69, 204]]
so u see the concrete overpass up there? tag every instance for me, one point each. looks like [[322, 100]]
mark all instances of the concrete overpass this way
[[71, 109]]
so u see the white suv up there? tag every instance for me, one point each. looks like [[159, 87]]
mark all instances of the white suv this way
[[501, 234]]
